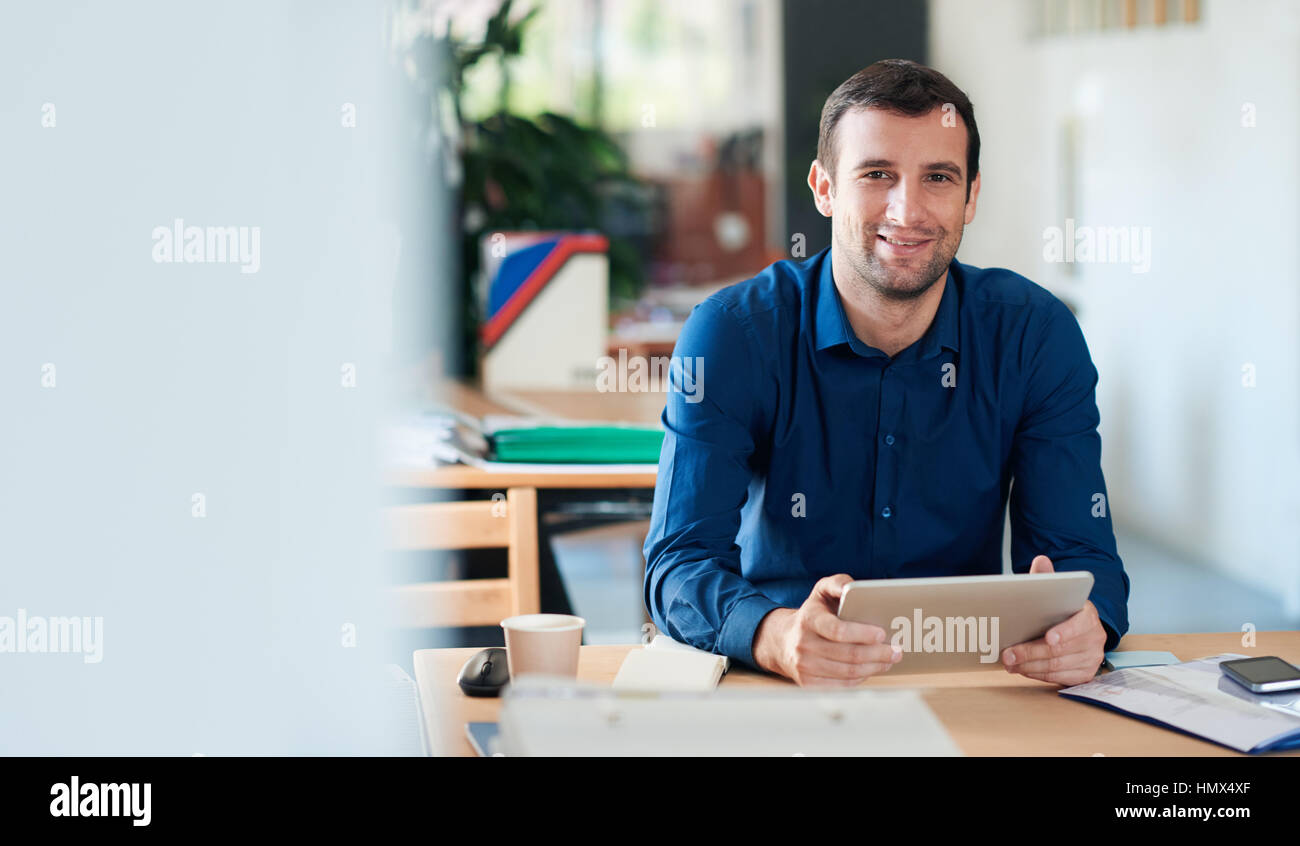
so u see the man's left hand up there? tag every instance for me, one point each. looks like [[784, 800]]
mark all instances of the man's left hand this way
[[1069, 653]]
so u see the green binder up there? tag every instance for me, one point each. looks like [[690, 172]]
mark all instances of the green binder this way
[[578, 444]]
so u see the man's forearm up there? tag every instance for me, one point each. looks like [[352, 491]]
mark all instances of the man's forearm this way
[[768, 637]]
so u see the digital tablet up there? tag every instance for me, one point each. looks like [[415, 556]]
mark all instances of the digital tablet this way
[[959, 623]]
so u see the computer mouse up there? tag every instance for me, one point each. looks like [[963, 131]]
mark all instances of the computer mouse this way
[[485, 673]]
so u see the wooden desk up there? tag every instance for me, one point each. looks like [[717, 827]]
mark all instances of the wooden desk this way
[[987, 713]]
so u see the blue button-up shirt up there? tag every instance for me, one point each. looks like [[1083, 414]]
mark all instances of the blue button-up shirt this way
[[794, 451]]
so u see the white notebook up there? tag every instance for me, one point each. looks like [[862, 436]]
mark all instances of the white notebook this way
[[666, 665], [663, 641]]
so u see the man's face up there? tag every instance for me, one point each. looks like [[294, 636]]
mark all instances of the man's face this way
[[898, 201]]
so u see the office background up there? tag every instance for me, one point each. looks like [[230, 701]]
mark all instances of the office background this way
[[1173, 120]]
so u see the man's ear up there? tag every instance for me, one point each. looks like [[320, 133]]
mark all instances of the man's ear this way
[[974, 195], [819, 180]]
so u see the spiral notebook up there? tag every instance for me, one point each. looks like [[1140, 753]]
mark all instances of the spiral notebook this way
[[667, 665]]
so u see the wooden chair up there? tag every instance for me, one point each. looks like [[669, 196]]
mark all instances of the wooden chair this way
[[469, 525]]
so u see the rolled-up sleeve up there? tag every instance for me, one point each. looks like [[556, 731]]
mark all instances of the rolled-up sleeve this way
[[1059, 504], [694, 589]]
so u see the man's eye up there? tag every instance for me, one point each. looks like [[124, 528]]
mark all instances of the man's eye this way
[[945, 177], [874, 174]]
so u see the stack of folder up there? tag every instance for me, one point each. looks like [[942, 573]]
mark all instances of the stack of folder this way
[[583, 444]]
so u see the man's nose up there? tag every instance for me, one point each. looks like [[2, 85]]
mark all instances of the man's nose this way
[[905, 206]]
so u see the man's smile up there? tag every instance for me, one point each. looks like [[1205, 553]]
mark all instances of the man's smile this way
[[902, 245]]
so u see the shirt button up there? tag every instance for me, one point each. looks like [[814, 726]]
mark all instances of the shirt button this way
[[886, 512], [889, 439]]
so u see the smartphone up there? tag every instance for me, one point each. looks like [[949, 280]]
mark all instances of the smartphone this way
[[1262, 675]]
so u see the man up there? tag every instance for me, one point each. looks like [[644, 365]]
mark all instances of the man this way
[[866, 411]]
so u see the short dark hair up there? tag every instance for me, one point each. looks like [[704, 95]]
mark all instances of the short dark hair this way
[[904, 87]]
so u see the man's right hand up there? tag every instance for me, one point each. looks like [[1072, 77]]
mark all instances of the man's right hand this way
[[814, 647]]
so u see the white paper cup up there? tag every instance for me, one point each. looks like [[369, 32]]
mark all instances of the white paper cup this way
[[543, 643]]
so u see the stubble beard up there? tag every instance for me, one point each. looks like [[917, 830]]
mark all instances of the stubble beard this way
[[894, 283]]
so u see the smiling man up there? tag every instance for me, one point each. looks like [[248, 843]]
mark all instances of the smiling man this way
[[868, 410]]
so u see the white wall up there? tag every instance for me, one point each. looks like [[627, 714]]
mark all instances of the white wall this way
[[247, 621], [1193, 458]]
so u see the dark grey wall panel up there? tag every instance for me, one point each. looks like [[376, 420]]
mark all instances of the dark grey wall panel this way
[[826, 42]]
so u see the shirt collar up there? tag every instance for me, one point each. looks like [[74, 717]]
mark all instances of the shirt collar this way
[[832, 324]]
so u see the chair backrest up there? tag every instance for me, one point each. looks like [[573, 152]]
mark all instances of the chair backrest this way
[[511, 524]]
